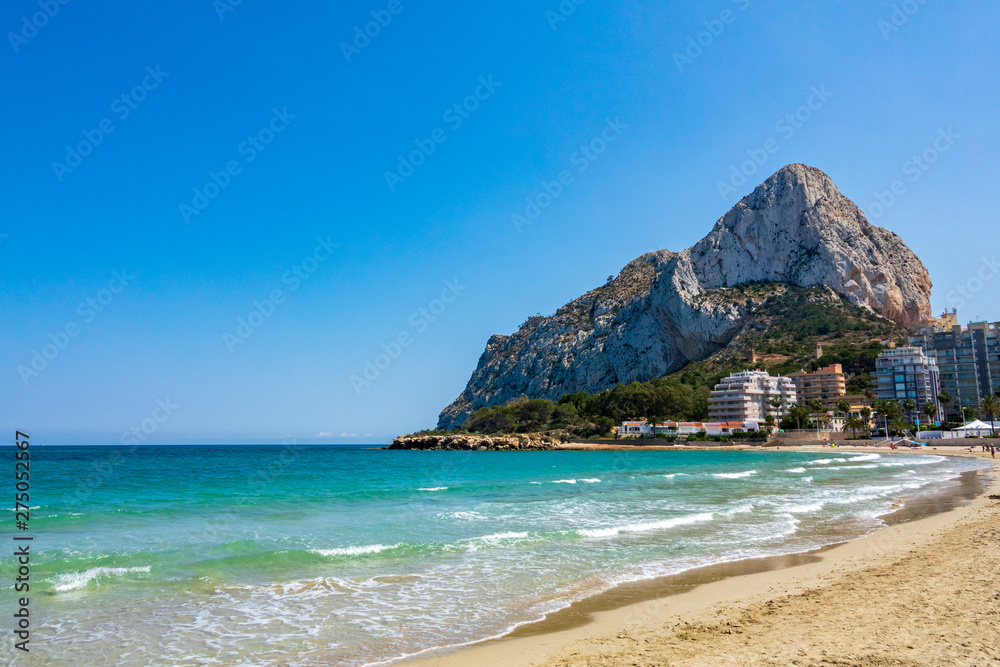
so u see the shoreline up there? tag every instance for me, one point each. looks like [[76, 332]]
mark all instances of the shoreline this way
[[599, 623]]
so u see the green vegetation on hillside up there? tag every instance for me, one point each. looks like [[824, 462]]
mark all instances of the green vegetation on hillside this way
[[784, 325]]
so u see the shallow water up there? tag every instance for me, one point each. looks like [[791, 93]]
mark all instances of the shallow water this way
[[306, 555]]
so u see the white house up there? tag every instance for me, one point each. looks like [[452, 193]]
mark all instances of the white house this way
[[642, 429]]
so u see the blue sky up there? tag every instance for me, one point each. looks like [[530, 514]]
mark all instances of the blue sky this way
[[248, 160]]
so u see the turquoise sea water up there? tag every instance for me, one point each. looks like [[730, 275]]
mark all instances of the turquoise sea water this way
[[285, 555]]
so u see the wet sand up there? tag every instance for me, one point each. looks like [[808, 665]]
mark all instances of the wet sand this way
[[750, 612]]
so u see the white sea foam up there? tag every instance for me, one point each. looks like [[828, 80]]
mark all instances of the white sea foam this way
[[861, 467], [676, 474], [496, 537], [826, 462], [866, 457], [21, 509], [74, 580], [592, 480], [434, 488], [928, 460], [356, 550], [804, 508], [643, 527], [796, 470], [742, 508], [565, 481], [734, 475], [476, 543]]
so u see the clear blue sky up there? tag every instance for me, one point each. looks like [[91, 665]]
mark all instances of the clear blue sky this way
[[212, 83]]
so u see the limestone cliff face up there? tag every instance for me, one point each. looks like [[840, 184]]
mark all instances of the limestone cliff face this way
[[659, 313]]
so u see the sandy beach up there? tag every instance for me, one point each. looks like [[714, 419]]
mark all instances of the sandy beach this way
[[921, 591]]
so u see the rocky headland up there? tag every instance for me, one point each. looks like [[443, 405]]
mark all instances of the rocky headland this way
[[470, 442], [666, 309]]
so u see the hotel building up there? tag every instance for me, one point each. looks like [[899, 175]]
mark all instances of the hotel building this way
[[907, 372], [747, 396], [827, 384], [968, 358]]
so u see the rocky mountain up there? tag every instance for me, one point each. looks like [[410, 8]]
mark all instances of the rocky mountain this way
[[666, 309]]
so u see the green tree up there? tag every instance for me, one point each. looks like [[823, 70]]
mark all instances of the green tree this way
[[769, 422], [866, 416], [944, 398], [990, 407], [899, 424], [798, 413], [653, 421], [854, 424], [816, 407], [930, 411], [844, 406], [910, 405]]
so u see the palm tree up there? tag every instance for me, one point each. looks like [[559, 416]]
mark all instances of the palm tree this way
[[798, 412], [816, 407], [854, 424], [653, 421], [990, 407], [866, 416], [769, 422], [930, 410], [843, 406], [893, 412], [776, 403], [899, 424], [910, 405], [944, 398]]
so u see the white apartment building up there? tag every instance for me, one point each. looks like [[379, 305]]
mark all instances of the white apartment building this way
[[747, 396]]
